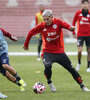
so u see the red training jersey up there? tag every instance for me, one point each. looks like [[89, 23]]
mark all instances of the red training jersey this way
[[83, 23], [51, 35]]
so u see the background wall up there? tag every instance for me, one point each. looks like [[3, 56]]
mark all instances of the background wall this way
[[17, 16]]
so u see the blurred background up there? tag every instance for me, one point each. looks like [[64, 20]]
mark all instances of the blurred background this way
[[18, 17]]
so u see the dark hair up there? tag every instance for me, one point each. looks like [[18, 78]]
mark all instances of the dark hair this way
[[85, 1]]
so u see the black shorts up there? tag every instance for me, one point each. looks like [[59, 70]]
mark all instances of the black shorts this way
[[61, 58], [81, 39], [4, 59]]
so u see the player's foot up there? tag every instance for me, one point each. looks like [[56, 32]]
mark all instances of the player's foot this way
[[88, 70], [2, 96], [22, 88], [52, 88], [85, 89], [38, 59], [22, 83], [78, 67]]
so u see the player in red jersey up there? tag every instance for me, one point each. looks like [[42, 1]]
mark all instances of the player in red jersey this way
[[82, 18], [5, 68], [53, 50]]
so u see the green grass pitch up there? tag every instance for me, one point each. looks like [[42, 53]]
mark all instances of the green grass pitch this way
[[32, 71]]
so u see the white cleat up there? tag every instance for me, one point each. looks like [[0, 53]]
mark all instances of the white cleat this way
[[52, 88], [85, 89], [88, 70], [2, 96], [78, 67]]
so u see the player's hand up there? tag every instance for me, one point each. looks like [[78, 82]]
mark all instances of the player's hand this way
[[14, 38], [25, 48], [74, 36], [72, 28]]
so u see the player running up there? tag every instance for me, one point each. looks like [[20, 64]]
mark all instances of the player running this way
[[5, 68], [53, 50]]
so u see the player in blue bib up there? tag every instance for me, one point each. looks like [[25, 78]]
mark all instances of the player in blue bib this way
[[5, 68]]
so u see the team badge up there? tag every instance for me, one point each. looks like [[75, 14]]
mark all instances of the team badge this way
[[54, 26]]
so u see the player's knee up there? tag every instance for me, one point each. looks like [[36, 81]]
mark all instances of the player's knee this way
[[48, 66], [5, 66], [79, 51]]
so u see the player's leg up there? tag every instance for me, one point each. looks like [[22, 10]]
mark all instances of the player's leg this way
[[66, 63], [14, 80], [88, 59], [80, 42], [2, 96], [14, 74], [5, 64], [10, 77], [87, 41], [48, 70], [39, 47]]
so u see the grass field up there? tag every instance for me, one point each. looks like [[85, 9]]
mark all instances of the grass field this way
[[33, 48], [27, 67]]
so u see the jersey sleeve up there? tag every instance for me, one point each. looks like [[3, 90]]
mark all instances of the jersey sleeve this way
[[35, 30], [75, 20], [7, 34], [63, 24]]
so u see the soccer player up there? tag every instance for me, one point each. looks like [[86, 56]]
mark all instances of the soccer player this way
[[53, 50], [82, 18], [39, 19], [5, 68], [2, 96]]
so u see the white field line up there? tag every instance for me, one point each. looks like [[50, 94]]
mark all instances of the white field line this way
[[35, 53]]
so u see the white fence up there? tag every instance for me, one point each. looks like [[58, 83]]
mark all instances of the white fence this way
[[35, 53]]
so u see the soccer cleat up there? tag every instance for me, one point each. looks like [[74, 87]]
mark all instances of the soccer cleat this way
[[22, 88], [2, 96], [88, 70], [22, 82], [52, 88], [78, 67], [85, 89]]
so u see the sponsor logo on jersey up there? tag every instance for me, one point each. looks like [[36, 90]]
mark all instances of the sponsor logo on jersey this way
[[51, 33], [50, 39], [81, 22], [85, 19]]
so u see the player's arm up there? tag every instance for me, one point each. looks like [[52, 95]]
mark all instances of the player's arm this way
[[35, 30], [74, 22], [65, 25], [7, 34]]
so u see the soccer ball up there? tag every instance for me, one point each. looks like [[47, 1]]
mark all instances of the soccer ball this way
[[39, 88]]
